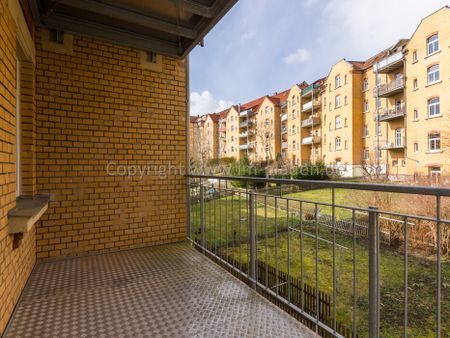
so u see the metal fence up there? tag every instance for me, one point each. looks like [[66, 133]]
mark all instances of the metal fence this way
[[374, 290]]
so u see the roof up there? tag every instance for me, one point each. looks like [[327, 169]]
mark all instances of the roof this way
[[254, 103], [428, 16], [282, 97], [168, 27], [215, 117], [193, 119]]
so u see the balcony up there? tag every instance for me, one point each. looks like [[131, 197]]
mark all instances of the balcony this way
[[398, 144], [389, 89], [245, 134], [309, 106], [311, 140], [162, 291], [222, 128], [246, 146], [392, 114], [284, 130], [245, 124], [244, 113], [284, 117], [310, 122], [389, 63], [278, 243], [284, 145], [308, 91]]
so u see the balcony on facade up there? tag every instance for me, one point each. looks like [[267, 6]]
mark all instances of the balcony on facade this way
[[389, 64], [245, 124], [246, 146], [309, 106], [246, 134], [284, 130], [390, 89], [310, 122], [311, 140], [284, 145], [245, 113], [398, 144], [308, 91], [284, 117], [392, 114]]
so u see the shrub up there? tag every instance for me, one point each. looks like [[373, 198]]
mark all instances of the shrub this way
[[309, 171], [244, 168]]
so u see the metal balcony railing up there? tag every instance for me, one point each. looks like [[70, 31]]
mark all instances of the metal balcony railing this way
[[390, 63], [245, 124], [392, 113], [323, 261], [284, 117], [389, 89], [246, 146], [284, 145], [310, 105], [311, 139], [312, 121]]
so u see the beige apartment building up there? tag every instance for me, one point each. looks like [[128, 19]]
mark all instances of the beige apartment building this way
[[388, 114]]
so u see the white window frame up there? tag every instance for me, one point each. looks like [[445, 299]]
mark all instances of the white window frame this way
[[434, 107], [366, 84], [337, 81], [433, 74], [337, 101], [398, 137], [337, 122], [434, 142], [366, 154], [337, 143], [433, 45]]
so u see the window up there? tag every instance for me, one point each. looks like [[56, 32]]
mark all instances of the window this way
[[434, 107], [395, 163], [366, 84], [329, 106], [294, 130], [415, 56], [366, 154], [377, 129], [337, 143], [151, 56], [345, 79], [337, 101], [434, 172], [416, 115], [433, 74], [337, 81], [434, 142], [337, 122], [266, 122], [379, 154], [415, 84], [378, 80], [433, 44], [398, 137], [416, 147], [293, 100], [267, 110], [366, 131], [329, 147], [345, 100], [329, 126], [345, 145], [366, 106], [345, 122]]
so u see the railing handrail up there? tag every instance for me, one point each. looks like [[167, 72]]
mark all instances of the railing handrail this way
[[394, 188]]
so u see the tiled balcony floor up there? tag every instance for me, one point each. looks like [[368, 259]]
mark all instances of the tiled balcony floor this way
[[163, 291]]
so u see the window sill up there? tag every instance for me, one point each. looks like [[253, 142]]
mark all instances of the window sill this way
[[433, 83], [430, 55], [433, 117], [27, 212], [434, 152]]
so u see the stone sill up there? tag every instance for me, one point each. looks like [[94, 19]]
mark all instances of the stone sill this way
[[27, 212]]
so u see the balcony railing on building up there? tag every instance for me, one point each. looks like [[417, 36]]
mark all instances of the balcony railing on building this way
[[389, 64], [246, 134], [246, 146], [284, 117], [398, 144], [391, 113], [308, 91], [389, 89], [311, 139], [312, 121], [245, 124], [323, 260], [284, 145], [307, 107]]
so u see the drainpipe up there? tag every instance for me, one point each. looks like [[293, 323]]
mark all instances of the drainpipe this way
[[188, 160]]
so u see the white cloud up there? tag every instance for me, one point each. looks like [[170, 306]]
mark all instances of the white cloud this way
[[204, 103], [300, 55]]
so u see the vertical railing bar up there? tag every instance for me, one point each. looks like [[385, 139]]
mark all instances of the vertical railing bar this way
[[301, 257], [226, 220], [240, 229], [317, 267], [405, 277], [438, 267], [233, 238], [202, 216], [374, 274], [247, 229], [220, 219], [333, 222], [266, 240], [215, 223], [252, 244], [288, 252], [276, 245], [354, 274]]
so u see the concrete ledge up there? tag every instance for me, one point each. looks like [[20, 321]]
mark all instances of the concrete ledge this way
[[27, 212]]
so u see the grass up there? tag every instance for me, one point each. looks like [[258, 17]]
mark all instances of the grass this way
[[230, 231]]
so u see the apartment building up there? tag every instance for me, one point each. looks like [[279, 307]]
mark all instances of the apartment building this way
[[223, 133], [427, 66], [387, 114]]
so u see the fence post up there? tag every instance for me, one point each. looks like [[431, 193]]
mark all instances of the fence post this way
[[202, 217], [252, 242], [374, 274]]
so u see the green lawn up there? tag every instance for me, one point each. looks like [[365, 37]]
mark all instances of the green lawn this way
[[227, 227]]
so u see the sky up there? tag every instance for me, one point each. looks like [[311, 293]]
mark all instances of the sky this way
[[265, 46]]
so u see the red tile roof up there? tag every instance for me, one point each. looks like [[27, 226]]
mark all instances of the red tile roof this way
[[253, 104], [193, 119], [215, 117]]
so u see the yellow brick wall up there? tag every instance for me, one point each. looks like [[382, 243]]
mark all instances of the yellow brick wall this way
[[97, 106], [15, 264]]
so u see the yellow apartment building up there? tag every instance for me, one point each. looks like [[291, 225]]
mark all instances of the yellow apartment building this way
[[427, 65], [232, 133], [291, 142], [222, 125]]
